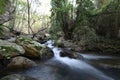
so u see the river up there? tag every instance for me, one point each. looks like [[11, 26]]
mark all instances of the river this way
[[92, 67]]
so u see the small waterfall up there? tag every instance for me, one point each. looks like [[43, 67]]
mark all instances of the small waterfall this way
[[78, 64]]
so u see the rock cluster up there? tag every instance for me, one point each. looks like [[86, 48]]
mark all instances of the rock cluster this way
[[18, 54]]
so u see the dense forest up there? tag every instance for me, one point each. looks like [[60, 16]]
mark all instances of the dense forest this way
[[94, 25], [49, 37]]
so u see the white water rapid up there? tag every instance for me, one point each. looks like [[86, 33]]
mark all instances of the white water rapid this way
[[80, 65]]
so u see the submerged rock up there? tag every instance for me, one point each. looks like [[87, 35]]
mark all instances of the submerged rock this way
[[70, 54], [20, 62], [115, 63], [17, 77]]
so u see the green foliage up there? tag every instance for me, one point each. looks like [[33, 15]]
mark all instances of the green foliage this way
[[101, 6], [7, 48], [64, 7], [54, 30], [86, 37], [23, 40], [3, 4], [62, 16]]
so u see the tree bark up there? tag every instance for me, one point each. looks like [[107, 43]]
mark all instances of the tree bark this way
[[12, 22], [29, 26], [67, 25]]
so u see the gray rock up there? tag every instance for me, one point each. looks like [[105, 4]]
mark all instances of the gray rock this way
[[14, 45], [70, 54], [20, 62], [17, 77], [34, 49], [46, 53]]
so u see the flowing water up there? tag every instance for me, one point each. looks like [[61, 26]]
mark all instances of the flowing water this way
[[80, 65], [64, 68]]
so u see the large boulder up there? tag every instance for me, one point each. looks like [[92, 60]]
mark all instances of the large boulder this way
[[8, 50], [31, 47], [31, 51], [17, 77], [34, 49], [20, 62], [70, 54]]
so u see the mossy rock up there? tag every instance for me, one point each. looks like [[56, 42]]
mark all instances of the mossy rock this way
[[8, 52], [23, 40], [34, 49], [8, 45], [31, 51]]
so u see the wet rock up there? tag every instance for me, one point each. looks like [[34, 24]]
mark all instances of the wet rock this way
[[20, 62], [17, 77], [70, 54], [31, 51], [34, 49], [46, 53], [8, 50], [31, 47], [23, 40]]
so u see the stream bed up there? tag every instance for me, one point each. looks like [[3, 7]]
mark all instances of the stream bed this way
[[92, 67]]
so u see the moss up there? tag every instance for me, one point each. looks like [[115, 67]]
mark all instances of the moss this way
[[7, 48], [6, 51], [23, 40], [38, 47]]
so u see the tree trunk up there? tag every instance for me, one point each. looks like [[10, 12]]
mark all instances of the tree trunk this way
[[67, 26], [12, 22], [28, 5]]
